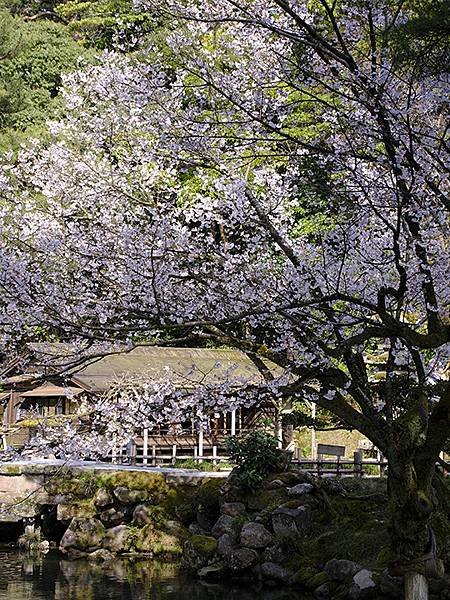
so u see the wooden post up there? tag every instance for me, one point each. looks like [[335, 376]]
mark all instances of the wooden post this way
[[383, 465], [154, 455], [233, 422], [313, 432], [131, 451], [358, 459], [200, 441], [145, 449], [214, 453], [114, 451], [195, 454], [174, 453], [279, 429], [416, 586]]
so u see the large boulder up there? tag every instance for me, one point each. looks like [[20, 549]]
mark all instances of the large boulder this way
[[157, 542], [255, 535], [363, 586], [242, 559], [225, 544], [126, 496], [103, 498], [117, 539], [339, 570], [288, 522], [300, 490], [224, 524], [85, 535], [66, 512], [112, 516], [270, 570], [233, 509], [198, 552]]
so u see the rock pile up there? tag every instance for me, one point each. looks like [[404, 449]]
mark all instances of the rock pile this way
[[119, 519], [260, 538]]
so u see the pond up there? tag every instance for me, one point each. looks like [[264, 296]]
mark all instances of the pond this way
[[52, 577]]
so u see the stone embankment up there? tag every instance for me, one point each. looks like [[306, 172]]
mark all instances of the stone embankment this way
[[100, 512], [319, 537]]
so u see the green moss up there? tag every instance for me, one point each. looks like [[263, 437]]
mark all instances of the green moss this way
[[11, 470], [267, 499], [384, 557], [153, 483], [156, 542], [293, 563], [204, 544], [318, 579], [157, 515], [206, 498], [82, 486]]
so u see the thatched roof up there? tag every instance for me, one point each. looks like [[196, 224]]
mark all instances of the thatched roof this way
[[49, 389], [185, 367]]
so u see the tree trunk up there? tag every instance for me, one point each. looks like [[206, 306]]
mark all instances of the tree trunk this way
[[416, 586], [411, 508], [412, 538]]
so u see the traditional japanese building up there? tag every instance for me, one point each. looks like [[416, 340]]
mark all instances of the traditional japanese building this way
[[52, 379]]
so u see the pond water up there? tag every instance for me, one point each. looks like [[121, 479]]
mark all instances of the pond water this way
[[51, 577]]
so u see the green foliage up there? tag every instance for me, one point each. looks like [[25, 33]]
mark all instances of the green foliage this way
[[424, 40], [193, 464], [103, 24], [300, 416], [255, 454], [35, 55]]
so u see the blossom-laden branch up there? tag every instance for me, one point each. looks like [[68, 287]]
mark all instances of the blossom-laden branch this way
[[182, 197]]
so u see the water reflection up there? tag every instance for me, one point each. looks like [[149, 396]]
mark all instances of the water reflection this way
[[53, 578]]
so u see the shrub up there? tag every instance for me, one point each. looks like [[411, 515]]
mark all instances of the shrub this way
[[255, 455]]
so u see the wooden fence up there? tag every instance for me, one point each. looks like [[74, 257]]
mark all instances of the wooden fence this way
[[163, 455]]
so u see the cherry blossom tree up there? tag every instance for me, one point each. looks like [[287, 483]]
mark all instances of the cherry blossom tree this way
[[264, 179]]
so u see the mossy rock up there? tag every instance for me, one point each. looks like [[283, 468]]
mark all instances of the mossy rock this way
[[287, 477], [157, 542], [83, 534], [185, 512], [293, 563], [82, 486], [203, 544], [206, 498], [153, 483], [267, 499], [150, 514], [316, 580], [294, 503]]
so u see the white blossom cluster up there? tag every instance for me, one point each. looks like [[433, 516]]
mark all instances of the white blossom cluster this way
[[169, 201]]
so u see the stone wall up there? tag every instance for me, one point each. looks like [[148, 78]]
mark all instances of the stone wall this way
[[321, 537]]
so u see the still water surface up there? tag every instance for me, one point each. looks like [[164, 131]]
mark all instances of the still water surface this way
[[53, 578]]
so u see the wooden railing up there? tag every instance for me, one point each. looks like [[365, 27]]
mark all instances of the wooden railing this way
[[159, 455]]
